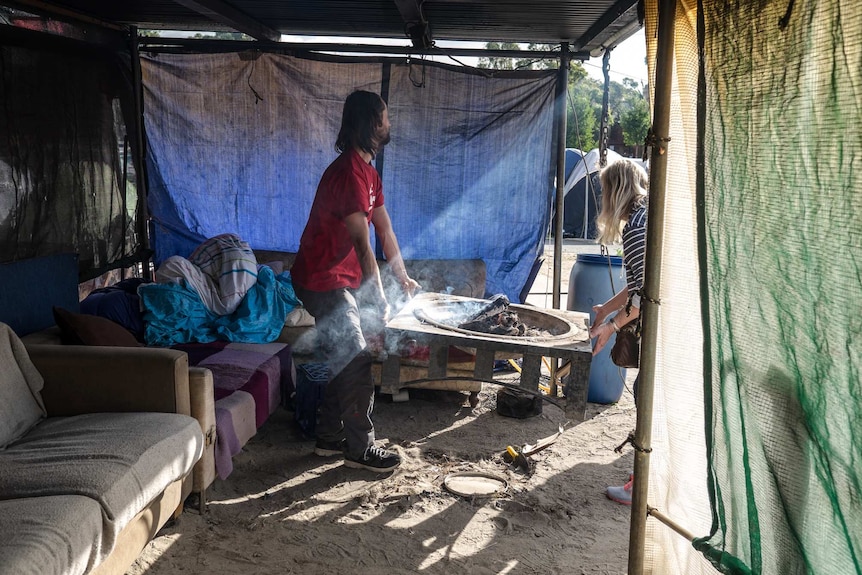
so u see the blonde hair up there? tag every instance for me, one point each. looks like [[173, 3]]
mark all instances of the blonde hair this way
[[624, 187]]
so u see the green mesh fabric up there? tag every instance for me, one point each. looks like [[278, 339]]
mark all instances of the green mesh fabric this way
[[781, 240]]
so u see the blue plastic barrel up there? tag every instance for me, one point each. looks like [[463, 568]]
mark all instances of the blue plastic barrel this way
[[593, 280]]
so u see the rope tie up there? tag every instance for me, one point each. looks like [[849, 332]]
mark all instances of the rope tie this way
[[785, 20], [631, 439], [257, 97], [644, 296], [653, 141]]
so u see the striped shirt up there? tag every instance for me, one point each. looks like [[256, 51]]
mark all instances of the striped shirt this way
[[634, 251]]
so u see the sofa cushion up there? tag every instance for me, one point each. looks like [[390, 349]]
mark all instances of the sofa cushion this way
[[21, 404], [29, 288], [57, 535], [119, 303], [84, 329], [121, 460], [50, 336]]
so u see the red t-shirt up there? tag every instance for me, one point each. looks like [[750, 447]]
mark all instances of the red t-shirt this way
[[326, 259]]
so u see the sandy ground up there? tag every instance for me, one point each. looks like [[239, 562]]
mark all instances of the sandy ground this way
[[285, 510]]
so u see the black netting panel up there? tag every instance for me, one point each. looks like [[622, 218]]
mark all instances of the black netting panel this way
[[65, 183]]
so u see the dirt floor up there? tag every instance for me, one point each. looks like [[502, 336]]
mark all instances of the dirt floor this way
[[284, 510]]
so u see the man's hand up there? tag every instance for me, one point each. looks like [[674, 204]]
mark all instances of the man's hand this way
[[410, 286], [384, 310]]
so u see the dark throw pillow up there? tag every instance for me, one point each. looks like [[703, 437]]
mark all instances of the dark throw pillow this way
[[83, 329]]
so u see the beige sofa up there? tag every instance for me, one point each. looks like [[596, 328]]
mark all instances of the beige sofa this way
[[30, 288], [155, 377], [96, 452]]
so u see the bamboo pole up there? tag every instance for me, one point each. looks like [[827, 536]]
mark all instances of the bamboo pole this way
[[652, 282], [562, 93], [653, 512]]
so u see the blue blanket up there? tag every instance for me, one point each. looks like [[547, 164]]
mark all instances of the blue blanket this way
[[174, 313]]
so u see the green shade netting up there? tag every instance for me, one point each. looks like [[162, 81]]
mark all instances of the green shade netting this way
[[781, 241]]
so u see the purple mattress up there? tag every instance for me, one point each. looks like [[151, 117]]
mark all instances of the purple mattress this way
[[261, 372]]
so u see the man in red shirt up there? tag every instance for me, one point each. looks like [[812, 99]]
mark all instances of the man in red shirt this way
[[336, 277]]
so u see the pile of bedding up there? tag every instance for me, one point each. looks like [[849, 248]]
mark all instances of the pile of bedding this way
[[219, 293]]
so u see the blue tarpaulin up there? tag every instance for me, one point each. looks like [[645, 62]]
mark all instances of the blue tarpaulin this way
[[237, 143]]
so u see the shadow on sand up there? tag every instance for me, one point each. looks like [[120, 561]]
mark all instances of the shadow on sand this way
[[285, 510]]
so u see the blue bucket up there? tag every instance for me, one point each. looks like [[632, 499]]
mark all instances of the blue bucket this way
[[594, 279]]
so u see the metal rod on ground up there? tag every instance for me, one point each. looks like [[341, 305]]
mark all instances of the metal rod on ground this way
[[652, 282]]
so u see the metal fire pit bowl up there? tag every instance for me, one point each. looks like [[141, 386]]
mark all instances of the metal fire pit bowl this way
[[448, 312], [432, 319]]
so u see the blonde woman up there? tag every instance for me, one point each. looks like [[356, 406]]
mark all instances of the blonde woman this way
[[623, 218]]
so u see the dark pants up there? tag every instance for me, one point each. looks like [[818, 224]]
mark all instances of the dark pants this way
[[349, 396]]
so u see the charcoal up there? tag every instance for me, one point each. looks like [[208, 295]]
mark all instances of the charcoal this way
[[498, 304], [505, 323]]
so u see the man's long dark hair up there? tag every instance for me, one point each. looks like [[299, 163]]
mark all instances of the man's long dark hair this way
[[360, 122]]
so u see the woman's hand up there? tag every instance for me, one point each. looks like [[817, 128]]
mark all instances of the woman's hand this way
[[602, 331], [601, 312]]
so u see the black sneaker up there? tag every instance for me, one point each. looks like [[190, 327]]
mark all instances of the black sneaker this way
[[329, 448], [375, 459]]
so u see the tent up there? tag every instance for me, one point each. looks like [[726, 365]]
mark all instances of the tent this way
[[583, 192]]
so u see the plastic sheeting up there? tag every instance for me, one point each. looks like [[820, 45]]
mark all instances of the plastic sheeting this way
[[678, 462], [62, 185], [237, 143]]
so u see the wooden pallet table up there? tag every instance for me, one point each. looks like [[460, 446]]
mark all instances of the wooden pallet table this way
[[567, 338]]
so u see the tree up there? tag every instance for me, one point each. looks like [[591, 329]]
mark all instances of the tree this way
[[581, 120], [628, 112], [496, 63], [150, 33], [223, 36], [635, 122], [576, 69]]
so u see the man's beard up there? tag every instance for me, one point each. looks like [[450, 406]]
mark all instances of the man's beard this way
[[383, 140]]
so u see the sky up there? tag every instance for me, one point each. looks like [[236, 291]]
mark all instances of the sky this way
[[628, 60]]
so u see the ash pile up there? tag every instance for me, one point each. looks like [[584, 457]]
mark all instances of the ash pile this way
[[497, 319]]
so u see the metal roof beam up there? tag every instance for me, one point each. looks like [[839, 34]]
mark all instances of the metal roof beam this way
[[50, 10], [225, 13], [415, 25], [608, 18], [170, 44]]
